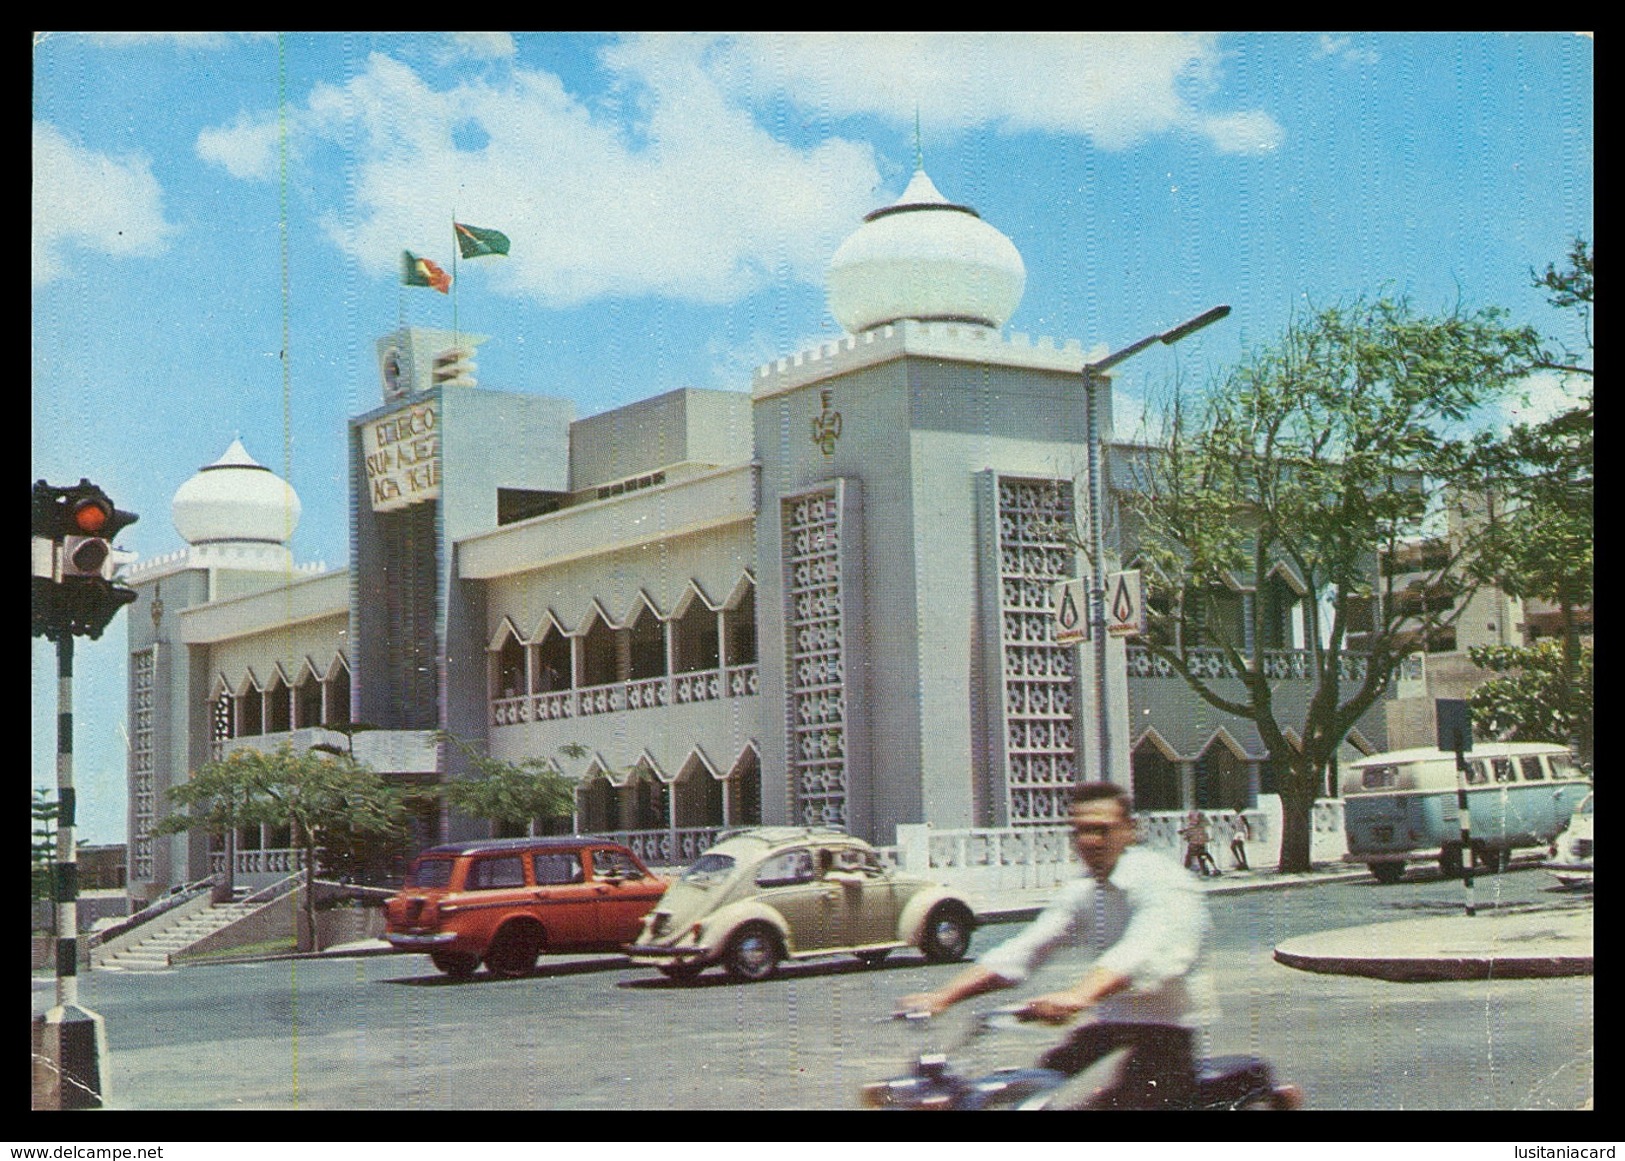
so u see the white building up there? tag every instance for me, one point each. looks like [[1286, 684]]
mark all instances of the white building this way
[[824, 601]]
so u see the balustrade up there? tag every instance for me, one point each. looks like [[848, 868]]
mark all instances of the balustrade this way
[[648, 693], [1278, 664]]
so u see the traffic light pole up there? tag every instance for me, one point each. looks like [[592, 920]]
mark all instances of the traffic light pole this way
[[74, 1041]]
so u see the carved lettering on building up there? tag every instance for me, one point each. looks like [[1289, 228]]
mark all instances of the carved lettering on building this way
[[402, 456]]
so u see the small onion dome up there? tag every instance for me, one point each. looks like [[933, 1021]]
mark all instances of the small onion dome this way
[[922, 257], [235, 500]]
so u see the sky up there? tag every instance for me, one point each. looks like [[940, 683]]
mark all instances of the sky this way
[[218, 222]]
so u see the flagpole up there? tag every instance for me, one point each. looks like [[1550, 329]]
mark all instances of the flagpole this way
[[456, 335]]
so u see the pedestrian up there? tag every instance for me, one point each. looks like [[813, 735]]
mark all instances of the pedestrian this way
[[1241, 833], [1197, 836]]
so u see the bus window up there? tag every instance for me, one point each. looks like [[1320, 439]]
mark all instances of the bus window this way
[[1477, 775], [1532, 771], [1562, 766], [1379, 777], [1504, 770]]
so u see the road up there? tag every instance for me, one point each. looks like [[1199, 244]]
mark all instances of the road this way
[[598, 1033]]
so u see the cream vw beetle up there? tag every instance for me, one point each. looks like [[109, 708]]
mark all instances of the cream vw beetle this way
[[772, 893]]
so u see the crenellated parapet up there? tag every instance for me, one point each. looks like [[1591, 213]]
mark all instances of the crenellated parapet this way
[[961, 342]]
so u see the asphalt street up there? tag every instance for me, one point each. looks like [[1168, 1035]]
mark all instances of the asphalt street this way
[[388, 1032]]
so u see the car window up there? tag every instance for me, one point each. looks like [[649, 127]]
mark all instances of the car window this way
[[609, 864], [490, 874], [556, 867], [1532, 771], [1562, 766], [1477, 774], [430, 873], [1504, 771], [785, 869], [709, 869], [1379, 777], [858, 861]]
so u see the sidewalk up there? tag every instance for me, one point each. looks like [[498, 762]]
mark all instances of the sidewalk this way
[[1505, 945]]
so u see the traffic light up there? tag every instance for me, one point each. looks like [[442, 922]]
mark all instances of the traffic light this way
[[72, 559]]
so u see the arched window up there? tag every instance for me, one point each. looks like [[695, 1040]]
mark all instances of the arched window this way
[[599, 653], [739, 629], [278, 706], [338, 695], [1156, 778], [552, 658], [694, 646], [1221, 779], [646, 639]]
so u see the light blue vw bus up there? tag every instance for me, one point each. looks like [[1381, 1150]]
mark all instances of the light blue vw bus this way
[[1401, 806]]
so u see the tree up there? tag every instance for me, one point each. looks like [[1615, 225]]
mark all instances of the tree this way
[[1535, 698], [1539, 541], [332, 804], [1318, 453], [45, 812], [512, 794]]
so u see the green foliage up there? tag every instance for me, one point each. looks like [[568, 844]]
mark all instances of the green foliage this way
[[1534, 698], [1315, 452], [45, 810], [511, 794], [329, 801]]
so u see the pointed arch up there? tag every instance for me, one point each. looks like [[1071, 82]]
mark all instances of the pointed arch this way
[[505, 629], [552, 656], [599, 649], [698, 793], [278, 699], [1222, 777], [743, 799], [1155, 767], [692, 592], [307, 696]]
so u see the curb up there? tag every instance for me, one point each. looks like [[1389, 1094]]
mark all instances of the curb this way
[[1431, 969]]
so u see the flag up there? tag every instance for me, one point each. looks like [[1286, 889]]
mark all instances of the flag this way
[[417, 271], [474, 242]]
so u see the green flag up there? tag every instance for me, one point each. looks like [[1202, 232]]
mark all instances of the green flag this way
[[417, 271], [474, 242]]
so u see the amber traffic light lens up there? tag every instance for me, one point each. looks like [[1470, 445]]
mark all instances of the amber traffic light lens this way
[[89, 517]]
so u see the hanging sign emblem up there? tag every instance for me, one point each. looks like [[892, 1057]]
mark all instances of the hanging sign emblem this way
[[1071, 604], [1125, 604], [826, 428]]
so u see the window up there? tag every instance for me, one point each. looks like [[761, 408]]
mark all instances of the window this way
[[489, 874], [1477, 773], [786, 870], [1504, 770], [1532, 771], [555, 867], [614, 865], [1379, 777], [1562, 766], [430, 873]]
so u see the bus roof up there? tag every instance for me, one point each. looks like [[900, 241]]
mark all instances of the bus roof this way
[[1479, 750]]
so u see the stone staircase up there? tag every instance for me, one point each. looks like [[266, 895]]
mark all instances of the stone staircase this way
[[154, 951]]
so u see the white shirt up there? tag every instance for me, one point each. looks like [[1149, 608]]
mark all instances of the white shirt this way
[[1148, 922]]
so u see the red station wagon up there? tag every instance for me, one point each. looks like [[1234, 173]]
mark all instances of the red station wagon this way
[[506, 901]]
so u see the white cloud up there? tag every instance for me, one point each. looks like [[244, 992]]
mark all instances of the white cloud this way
[[695, 201], [248, 149], [1115, 89], [1342, 47], [484, 45], [1543, 395], [92, 201]]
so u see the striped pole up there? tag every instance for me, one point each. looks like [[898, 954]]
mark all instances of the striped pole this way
[[1466, 830], [75, 1041]]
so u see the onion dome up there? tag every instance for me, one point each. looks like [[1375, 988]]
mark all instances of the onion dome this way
[[923, 257], [235, 500]]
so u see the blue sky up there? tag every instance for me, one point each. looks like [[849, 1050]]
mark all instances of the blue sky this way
[[672, 202]]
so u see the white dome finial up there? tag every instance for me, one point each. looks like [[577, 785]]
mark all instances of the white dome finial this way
[[923, 257], [236, 500]]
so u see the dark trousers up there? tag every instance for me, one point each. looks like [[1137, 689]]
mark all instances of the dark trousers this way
[[1160, 1072]]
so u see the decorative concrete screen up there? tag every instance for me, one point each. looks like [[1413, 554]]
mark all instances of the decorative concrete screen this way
[[1035, 520], [815, 640], [143, 674]]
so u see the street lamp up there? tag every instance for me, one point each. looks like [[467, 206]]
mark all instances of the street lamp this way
[[1094, 374]]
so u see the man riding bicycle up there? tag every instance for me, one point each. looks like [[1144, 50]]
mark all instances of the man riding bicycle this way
[[1143, 919]]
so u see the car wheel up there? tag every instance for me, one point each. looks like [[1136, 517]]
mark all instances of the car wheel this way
[[514, 952], [753, 953], [682, 972], [456, 964], [947, 933], [1386, 872], [874, 958], [1450, 861]]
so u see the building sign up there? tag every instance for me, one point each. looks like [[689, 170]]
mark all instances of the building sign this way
[[402, 453], [1071, 602], [1125, 604], [826, 426]]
